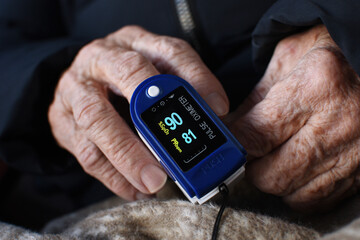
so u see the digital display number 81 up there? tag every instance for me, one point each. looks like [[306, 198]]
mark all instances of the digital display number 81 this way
[[175, 120]]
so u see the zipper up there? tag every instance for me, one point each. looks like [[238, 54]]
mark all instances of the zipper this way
[[187, 23]]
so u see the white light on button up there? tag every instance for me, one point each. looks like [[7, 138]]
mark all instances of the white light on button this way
[[153, 91]]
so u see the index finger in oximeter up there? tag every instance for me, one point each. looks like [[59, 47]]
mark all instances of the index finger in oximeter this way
[[196, 149]]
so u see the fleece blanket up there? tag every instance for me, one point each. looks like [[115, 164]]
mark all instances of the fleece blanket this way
[[250, 215]]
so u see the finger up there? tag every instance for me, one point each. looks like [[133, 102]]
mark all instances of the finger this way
[[89, 156], [317, 148], [273, 120], [322, 193], [175, 56], [288, 167], [120, 68], [100, 123], [97, 165]]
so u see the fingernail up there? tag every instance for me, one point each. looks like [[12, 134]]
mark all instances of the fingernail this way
[[153, 177], [217, 103], [142, 196]]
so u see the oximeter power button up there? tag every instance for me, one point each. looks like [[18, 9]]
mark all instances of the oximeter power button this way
[[153, 91]]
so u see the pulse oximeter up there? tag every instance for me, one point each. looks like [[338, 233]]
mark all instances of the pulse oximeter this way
[[192, 144]]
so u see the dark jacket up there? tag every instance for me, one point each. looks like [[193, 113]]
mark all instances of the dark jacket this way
[[39, 39]]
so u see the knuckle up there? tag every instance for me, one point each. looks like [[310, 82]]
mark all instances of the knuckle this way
[[128, 63], [129, 28], [110, 177], [123, 154], [126, 66], [87, 60], [90, 157], [92, 49], [130, 59], [172, 47], [89, 110], [126, 31]]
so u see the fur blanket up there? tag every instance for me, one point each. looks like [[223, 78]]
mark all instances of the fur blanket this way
[[251, 215]]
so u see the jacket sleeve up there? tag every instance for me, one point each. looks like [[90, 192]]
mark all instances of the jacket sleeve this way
[[34, 51], [287, 17]]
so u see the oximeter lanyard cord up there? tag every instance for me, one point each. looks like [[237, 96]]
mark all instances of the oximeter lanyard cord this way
[[225, 194]]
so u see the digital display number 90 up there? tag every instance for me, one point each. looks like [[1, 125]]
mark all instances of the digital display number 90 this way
[[175, 120]]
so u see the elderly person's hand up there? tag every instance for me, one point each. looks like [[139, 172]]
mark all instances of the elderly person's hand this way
[[85, 123], [301, 123]]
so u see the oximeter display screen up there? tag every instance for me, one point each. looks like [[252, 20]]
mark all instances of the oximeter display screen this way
[[183, 128]]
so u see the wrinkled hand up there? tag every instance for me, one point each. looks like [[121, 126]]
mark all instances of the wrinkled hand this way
[[301, 124], [85, 123]]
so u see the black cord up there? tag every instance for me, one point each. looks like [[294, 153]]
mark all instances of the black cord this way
[[225, 194]]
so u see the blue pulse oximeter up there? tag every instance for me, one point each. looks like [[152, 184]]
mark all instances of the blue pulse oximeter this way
[[195, 148]]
